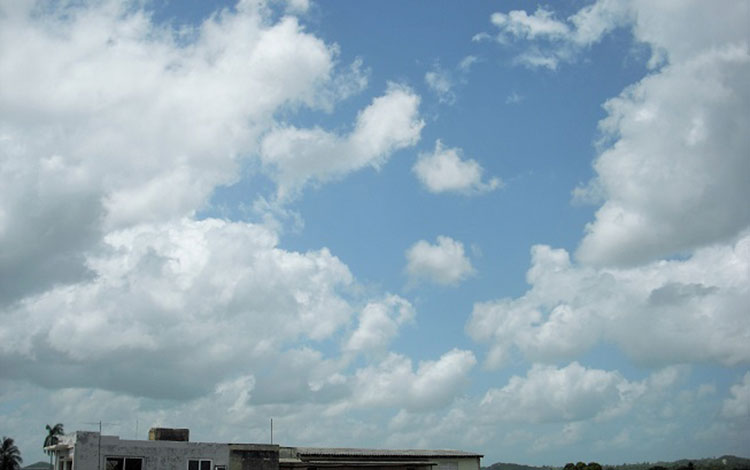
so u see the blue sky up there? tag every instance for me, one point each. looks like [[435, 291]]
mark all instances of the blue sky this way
[[513, 228]]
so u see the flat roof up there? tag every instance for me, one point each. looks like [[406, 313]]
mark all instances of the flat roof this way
[[354, 452], [356, 463]]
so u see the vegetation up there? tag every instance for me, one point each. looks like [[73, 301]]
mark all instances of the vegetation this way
[[10, 456], [726, 462], [582, 466], [53, 433]]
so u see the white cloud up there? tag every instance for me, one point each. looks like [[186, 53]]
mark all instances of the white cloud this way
[[467, 63], [674, 177], [738, 406], [592, 22], [108, 120], [295, 157], [670, 176], [548, 394], [659, 313], [444, 170], [671, 173], [675, 31], [520, 24], [680, 31], [298, 6], [441, 83], [114, 132], [394, 383], [223, 288], [570, 434], [379, 323], [443, 263], [561, 40]]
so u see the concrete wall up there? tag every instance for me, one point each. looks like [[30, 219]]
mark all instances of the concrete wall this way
[[253, 457], [472, 463], [456, 463], [89, 454]]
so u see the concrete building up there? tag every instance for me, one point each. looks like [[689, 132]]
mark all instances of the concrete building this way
[[171, 449]]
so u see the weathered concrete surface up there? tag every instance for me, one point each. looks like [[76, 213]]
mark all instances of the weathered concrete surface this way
[[169, 434], [89, 453], [253, 457]]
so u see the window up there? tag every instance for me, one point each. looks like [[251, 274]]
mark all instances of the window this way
[[197, 464], [64, 463], [124, 463]]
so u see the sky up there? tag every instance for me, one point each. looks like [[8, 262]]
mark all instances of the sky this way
[[505, 227]]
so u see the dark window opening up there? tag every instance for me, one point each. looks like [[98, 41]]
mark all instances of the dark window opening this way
[[199, 464], [124, 463]]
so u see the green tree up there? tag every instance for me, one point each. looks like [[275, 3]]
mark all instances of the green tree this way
[[53, 433], [10, 456]]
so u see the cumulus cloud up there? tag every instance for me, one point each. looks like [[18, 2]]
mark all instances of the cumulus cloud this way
[[295, 157], [674, 177], [443, 263], [670, 180], [738, 405], [379, 323], [548, 394], [444, 170], [394, 383], [548, 408], [552, 40], [108, 119], [659, 313], [114, 131], [232, 411], [224, 288], [518, 23], [544, 40], [671, 170]]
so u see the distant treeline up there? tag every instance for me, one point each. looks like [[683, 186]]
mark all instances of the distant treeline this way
[[727, 462]]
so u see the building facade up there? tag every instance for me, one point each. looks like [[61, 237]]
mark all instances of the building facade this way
[[171, 449]]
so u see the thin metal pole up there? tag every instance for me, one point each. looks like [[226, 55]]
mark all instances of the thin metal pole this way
[[99, 451], [271, 430]]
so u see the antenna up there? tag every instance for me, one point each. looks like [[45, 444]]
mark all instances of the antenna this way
[[99, 445]]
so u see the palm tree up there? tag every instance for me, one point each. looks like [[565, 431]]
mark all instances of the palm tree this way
[[52, 437], [10, 456]]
